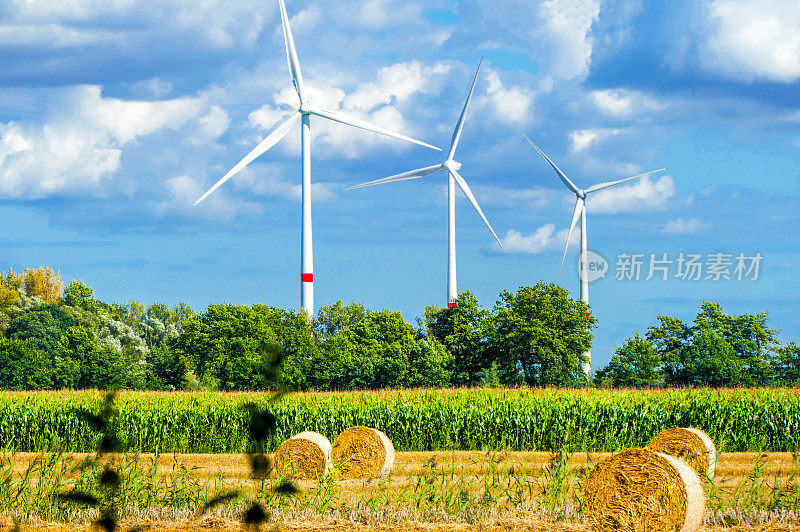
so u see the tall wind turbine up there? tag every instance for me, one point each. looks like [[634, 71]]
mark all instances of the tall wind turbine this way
[[453, 178], [303, 114], [580, 211]]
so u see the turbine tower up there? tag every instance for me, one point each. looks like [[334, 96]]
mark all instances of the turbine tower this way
[[580, 211], [303, 115], [453, 178]]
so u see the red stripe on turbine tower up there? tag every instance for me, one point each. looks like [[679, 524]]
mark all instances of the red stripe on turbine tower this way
[[306, 277], [451, 305]]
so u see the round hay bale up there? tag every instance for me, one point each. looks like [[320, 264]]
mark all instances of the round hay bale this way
[[361, 452], [640, 490], [305, 456], [693, 446]]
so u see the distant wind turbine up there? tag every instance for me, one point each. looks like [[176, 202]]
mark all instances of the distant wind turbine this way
[[303, 114], [453, 178], [580, 211]]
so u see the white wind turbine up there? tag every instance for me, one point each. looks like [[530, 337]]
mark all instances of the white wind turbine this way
[[580, 210], [453, 178], [303, 114]]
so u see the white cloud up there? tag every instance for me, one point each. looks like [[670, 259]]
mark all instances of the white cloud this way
[[507, 105], [268, 180], [79, 22], [683, 226], [55, 36], [623, 103], [215, 123], [753, 40], [583, 138], [542, 240], [377, 14], [398, 83], [183, 191], [568, 24], [642, 195], [80, 146], [379, 102], [507, 197]]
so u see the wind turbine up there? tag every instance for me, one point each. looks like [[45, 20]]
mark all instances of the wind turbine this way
[[303, 114], [580, 211], [453, 178]]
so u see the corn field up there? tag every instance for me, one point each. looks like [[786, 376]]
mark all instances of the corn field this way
[[737, 420]]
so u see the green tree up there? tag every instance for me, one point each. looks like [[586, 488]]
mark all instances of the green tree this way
[[42, 327], [635, 364], [711, 361], [542, 335], [381, 350], [23, 367], [787, 365], [229, 346], [744, 348], [332, 319], [465, 330]]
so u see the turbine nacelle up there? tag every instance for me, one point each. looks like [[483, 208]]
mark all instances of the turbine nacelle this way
[[453, 166]]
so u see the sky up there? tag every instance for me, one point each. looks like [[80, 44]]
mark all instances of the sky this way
[[116, 116]]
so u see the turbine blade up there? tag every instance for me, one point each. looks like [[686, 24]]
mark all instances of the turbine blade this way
[[578, 211], [273, 138], [462, 184], [291, 52], [337, 116], [413, 174], [570, 185], [460, 123], [601, 186]]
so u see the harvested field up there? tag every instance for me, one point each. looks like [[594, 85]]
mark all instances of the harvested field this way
[[462, 490]]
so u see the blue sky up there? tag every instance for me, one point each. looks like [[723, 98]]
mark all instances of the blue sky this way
[[115, 117]]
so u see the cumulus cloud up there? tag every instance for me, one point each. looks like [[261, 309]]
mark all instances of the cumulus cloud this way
[[80, 22], [568, 24], [751, 40], [623, 103], [398, 82], [182, 191], [583, 138], [506, 105], [642, 195], [269, 180], [377, 14], [683, 226], [544, 239], [379, 102], [80, 146]]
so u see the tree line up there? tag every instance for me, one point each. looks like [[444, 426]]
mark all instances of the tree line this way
[[56, 336]]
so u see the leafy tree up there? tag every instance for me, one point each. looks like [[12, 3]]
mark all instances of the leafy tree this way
[[738, 353], [228, 345], [787, 365], [43, 282], [23, 367], [334, 318], [166, 369], [711, 361], [78, 294], [636, 364], [465, 331], [380, 350], [42, 327], [542, 335]]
